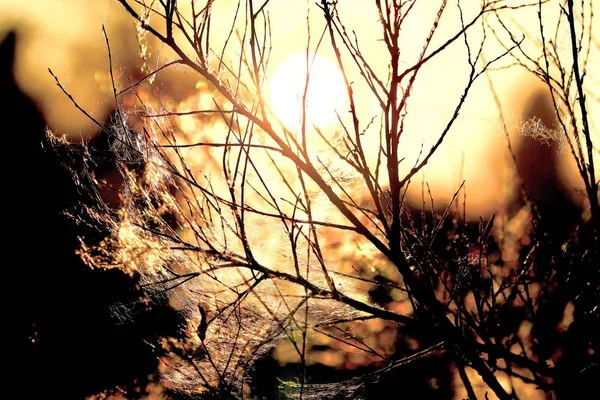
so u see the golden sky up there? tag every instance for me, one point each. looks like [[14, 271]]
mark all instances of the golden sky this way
[[66, 35]]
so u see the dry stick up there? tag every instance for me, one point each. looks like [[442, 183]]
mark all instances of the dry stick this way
[[394, 256], [314, 244], [365, 347], [239, 262], [307, 168], [371, 184], [408, 359], [154, 72], [421, 292], [592, 186], [73, 100], [465, 378], [456, 113], [522, 187], [576, 151], [336, 296], [183, 113]]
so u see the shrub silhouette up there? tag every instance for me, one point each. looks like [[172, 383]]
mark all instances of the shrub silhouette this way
[[299, 243], [63, 323]]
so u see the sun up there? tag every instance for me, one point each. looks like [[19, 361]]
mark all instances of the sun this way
[[325, 95]]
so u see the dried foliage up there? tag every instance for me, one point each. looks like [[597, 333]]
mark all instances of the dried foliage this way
[[298, 242]]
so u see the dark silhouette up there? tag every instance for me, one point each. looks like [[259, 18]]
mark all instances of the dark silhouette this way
[[537, 160], [69, 343], [575, 278]]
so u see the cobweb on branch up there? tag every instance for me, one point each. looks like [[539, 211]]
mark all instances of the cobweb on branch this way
[[177, 230], [536, 129], [353, 388]]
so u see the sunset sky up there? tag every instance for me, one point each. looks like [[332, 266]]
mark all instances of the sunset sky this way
[[66, 36], [275, 204]]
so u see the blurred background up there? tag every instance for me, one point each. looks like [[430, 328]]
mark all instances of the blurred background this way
[[69, 344], [66, 36], [69, 341]]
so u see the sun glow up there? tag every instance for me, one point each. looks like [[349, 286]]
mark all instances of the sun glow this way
[[324, 96]]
